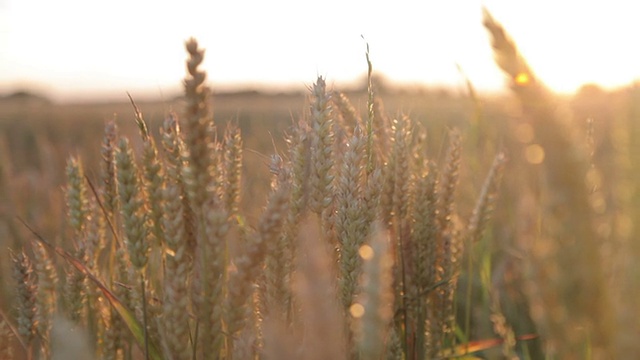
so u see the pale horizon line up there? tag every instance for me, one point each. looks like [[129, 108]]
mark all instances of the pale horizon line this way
[[152, 93]]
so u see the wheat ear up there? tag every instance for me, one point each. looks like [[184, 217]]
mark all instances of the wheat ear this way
[[321, 177], [179, 257], [351, 220], [26, 288], [132, 205]]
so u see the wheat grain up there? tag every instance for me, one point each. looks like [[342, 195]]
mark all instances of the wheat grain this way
[[233, 169], [199, 131], [76, 196], [213, 275], [320, 176], [47, 297], [486, 200], [132, 205], [108, 168], [26, 297], [351, 221], [179, 259], [153, 175]]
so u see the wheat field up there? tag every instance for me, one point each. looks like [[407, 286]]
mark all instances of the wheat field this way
[[341, 231]]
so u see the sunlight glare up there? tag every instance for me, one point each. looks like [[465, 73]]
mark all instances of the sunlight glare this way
[[84, 52], [522, 79]]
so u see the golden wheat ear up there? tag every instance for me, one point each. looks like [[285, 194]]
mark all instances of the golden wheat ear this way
[[506, 53]]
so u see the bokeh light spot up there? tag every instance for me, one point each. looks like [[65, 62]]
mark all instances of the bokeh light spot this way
[[366, 252], [356, 310], [534, 154]]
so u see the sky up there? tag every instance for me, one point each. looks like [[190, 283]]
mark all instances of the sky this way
[[74, 50]]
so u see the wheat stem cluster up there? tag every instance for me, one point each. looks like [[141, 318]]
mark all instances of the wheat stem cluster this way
[[202, 282]]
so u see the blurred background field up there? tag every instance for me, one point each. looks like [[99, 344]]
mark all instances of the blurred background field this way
[[38, 135]]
